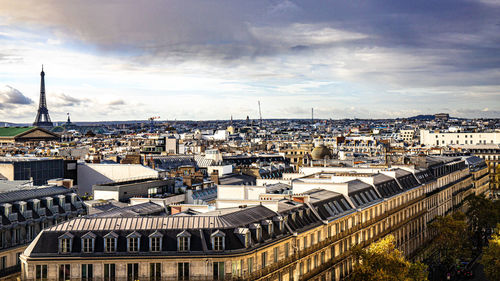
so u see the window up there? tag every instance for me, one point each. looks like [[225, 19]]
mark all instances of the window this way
[[155, 241], [87, 245], [218, 242], [109, 272], [87, 272], [155, 272], [3, 262], [88, 240], [183, 271], [236, 268], [133, 242], [64, 245], [16, 235], [64, 272], [263, 259], [110, 242], [287, 249], [133, 272], [276, 254], [41, 273], [247, 239], [218, 270], [250, 264], [258, 233], [183, 241], [30, 232]]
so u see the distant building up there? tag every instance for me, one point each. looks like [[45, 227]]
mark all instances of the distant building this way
[[26, 134], [124, 190], [407, 135], [171, 145], [39, 169], [91, 174], [438, 138], [442, 116]]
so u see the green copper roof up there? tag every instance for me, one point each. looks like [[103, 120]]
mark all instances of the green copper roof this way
[[13, 131]]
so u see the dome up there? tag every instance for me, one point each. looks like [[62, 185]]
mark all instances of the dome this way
[[320, 152]]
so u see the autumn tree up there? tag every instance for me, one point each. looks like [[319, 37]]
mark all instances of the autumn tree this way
[[452, 240], [382, 261], [491, 256]]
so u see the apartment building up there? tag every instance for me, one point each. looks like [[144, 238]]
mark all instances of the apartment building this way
[[25, 212], [438, 138], [304, 236]]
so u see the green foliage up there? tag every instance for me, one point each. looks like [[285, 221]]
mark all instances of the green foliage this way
[[491, 256], [482, 213], [382, 261], [452, 240]]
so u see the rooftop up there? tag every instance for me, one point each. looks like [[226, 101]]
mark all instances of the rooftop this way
[[13, 131]]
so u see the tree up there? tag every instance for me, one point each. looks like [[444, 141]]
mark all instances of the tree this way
[[491, 256], [381, 261], [452, 241], [482, 214]]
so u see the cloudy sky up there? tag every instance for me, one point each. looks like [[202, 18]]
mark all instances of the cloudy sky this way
[[128, 59]]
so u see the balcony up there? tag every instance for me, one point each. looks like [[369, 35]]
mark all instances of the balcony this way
[[42, 212], [13, 217], [28, 214], [10, 270], [67, 208]]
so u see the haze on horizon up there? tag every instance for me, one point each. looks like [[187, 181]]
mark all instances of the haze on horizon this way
[[196, 60]]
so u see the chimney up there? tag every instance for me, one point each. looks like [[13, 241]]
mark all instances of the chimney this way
[[215, 177], [188, 181]]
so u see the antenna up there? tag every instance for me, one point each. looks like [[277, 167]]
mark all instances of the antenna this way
[[312, 115], [260, 115]]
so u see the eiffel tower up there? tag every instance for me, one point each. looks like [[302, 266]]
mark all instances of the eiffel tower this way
[[42, 117]]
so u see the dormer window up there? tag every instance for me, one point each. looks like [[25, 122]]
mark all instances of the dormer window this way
[[110, 242], [268, 224], [22, 206], [183, 241], [49, 202], [7, 209], [155, 241], [65, 243], [36, 205], [257, 231], [61, 200], [88, 242], [244, 236], [280, 221], [133, 240], [218, 240]]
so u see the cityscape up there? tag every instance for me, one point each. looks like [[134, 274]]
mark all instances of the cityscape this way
[[263, 140]]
